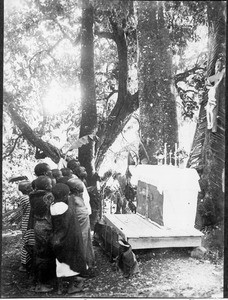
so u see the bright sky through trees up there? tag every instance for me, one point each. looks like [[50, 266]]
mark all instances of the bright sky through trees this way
[[57, 94], [58, 98]]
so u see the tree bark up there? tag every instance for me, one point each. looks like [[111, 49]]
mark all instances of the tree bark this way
[[88, 99], [115, 124], [158, 119], [208, 151], [126, 103]]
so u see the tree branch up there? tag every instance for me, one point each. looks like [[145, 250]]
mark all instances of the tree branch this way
[[42, 9], [179, 89], [111, 94], [182, 76], [104, 34], [14, 145], [126, 103], [118, 118], [48, 51], [78, 38], [48, 149]]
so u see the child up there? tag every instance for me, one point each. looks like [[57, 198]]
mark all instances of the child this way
[[63, 179], [67, 172], [67, 239], [40, 221], [77, 203], [126, 260], [73, 164], [28, 238], [56, 173], [78, 171], [44, 169], [81, 173]]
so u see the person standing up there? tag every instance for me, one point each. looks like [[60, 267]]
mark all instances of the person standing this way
[[40, 221], [28, 238], [67, 240], [76, 202], [80, 172]]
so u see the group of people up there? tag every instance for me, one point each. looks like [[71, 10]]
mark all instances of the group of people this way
[[56, 231], [122, 194]]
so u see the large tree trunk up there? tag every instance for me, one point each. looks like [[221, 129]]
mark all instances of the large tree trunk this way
[[88, 100], [158, 119], [126, 103], [208, 151]]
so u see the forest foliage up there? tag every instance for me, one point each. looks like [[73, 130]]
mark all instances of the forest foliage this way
[[42, 72]]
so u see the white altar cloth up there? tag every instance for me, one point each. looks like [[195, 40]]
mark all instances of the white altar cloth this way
[[179, 188]]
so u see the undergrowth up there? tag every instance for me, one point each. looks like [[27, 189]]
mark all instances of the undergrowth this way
[[213, 241]]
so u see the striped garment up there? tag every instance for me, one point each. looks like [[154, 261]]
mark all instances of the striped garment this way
[[28, 237]]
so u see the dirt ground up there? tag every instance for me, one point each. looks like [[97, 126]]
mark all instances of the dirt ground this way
[[163, 273]]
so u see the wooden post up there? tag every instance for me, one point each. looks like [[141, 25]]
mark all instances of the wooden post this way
[[102, 205], [147, 199]]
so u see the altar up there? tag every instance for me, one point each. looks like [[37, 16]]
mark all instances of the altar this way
[[166, 209], [166, 194]]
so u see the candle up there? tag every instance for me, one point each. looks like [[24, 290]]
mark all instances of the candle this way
[[175, 153], [165, 152], [170, 157]]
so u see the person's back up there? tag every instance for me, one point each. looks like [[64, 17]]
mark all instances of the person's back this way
[[81, 173], [41, 220], [63, 179], [41, 198], [56, 173], [28, 239], [76, 201], [67, 172], [25, 188], [95, 203], [67, 238], [40, 201]]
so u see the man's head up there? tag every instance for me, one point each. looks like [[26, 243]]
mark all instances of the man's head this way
[[75, 185], [73, 164], [61, 192], [67, 172], [42, 169], [43, 183], [63, 179], [25, 187], [80, 172], [56, 173]]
